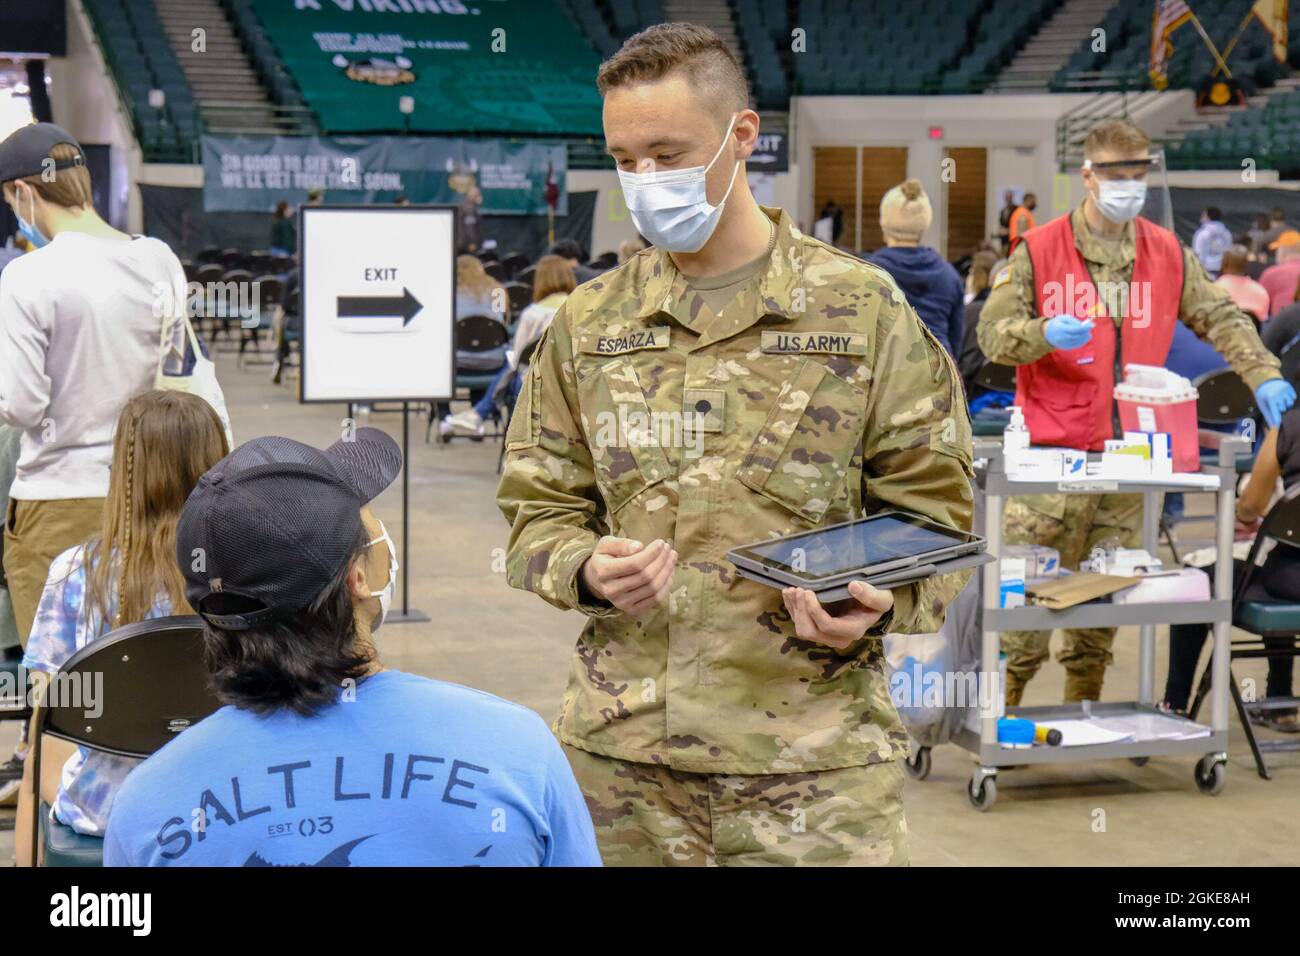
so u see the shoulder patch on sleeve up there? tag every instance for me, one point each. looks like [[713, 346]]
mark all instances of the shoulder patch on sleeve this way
[[1003, 276]]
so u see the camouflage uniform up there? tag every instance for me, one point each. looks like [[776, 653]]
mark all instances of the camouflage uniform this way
[[816, 396], [651, 815], [1011, 333]]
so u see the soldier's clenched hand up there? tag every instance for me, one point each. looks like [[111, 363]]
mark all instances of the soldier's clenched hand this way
[[812, 622], [633, 577]]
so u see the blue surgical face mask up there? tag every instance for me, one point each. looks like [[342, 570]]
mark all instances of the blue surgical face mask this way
[[671, 208], [28, 229]]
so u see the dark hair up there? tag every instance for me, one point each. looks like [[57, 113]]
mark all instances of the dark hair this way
[[297, 662], [567, 249], [1212, 212]]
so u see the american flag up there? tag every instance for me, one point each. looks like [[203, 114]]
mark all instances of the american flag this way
[[1166, 17]]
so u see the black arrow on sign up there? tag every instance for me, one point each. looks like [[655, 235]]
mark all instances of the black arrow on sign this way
[[374, 306]]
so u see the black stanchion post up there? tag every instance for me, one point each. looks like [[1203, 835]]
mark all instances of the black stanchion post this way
[[406, 615]]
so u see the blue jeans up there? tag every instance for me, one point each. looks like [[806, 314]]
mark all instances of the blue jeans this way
[[484, 406]]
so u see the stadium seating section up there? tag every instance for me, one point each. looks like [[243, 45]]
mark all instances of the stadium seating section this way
[[801, 47], [140, 59], [1270, 136], [1124, 62], [266, 63]]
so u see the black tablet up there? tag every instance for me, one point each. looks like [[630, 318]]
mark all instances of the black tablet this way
[[867, 547]]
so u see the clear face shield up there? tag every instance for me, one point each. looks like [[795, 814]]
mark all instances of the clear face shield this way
[[1128, 188]]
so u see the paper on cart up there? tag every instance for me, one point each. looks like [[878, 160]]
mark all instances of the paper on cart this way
[[1082, 732]]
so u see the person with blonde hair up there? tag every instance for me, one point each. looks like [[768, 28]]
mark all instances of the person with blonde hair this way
[[932, 286], [127, 572], [628, 248], [80, 324], [553, 280]]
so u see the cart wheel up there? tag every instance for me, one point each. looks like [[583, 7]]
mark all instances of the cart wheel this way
[[918, 765], [1139, 761], [1211, 775], [982, 799]]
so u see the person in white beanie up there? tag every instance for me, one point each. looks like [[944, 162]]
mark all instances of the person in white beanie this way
[[931, 285]]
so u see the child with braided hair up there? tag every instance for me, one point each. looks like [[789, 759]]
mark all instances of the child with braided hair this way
[[164, 441]]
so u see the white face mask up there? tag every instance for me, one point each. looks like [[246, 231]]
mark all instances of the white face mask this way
[[1120, 200], [671, 208], [386, 595]]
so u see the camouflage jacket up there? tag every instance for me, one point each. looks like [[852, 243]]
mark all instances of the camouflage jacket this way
[[1010, 331], [816, 396]]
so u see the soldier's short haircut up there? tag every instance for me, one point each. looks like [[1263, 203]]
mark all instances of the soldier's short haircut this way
[[1115, 136], [667, 47]]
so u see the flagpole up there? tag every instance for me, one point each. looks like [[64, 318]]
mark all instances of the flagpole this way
[[1232, 44], [1210, 44]]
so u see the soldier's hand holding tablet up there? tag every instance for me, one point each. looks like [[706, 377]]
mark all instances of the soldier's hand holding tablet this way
[[635, 578], [851, 617]]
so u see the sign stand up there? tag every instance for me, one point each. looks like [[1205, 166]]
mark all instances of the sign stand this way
[[381, 331], [407, 614]]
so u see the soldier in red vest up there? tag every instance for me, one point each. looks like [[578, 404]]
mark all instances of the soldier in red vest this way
[[1081, 297]]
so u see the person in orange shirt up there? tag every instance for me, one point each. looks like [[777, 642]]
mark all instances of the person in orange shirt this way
[[1022, 220], [1250, 296]]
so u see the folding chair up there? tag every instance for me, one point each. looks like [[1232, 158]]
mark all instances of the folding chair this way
[[1222, 401], [269, 289], [504, 399], [151, 683], [474, 334], [1274, 627], [514, 263]]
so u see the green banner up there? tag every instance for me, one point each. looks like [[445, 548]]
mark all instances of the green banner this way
[[252, 173], [501, 66]]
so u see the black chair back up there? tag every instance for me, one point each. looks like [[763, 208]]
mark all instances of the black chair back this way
[[1223, 399], [269, 292], [487, 255], [209, 272], [495, 270], [604, 261], [526, 354], [480, 333], [1282, 524], [232, 258], [519, 295], [526, 276], [208, 255], [514, 263], [150, 683], [996, 378]]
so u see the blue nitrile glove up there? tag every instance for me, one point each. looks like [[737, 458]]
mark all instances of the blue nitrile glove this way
[[1067, 332], [1274, 397]]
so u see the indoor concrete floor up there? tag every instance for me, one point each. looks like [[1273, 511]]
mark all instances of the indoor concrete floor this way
[[487, 635]]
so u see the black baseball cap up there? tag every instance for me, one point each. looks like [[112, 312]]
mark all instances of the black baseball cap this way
[[25, 151], [269, 526]]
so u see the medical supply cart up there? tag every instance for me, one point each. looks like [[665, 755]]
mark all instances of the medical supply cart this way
[[997, 486]]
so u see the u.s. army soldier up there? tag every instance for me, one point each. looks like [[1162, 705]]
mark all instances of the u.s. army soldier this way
[[710, 719]]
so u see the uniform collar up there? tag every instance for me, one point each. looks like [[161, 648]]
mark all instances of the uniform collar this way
[[1094, 250], [665, 288]]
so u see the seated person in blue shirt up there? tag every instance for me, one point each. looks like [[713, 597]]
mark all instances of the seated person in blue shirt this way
[[322, 757]]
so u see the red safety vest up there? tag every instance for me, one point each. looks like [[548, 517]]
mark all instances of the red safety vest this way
[[1067, 395]]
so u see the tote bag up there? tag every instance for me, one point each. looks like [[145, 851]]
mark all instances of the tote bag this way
[[200, 379]]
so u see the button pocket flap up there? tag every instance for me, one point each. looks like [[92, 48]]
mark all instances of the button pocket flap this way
[[704, 409], [632, 426], [781, 423]]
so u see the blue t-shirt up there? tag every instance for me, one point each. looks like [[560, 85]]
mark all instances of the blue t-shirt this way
[[404, 771]]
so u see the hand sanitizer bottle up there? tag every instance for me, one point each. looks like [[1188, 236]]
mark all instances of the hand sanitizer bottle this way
[[1015, 437]]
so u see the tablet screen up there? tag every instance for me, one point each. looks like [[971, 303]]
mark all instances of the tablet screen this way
[[848, 547]]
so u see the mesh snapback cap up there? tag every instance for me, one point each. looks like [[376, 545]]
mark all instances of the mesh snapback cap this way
[[269, 526], [25, 151]]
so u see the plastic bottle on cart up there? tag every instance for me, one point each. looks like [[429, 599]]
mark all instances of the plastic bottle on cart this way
[[1015, 437]]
